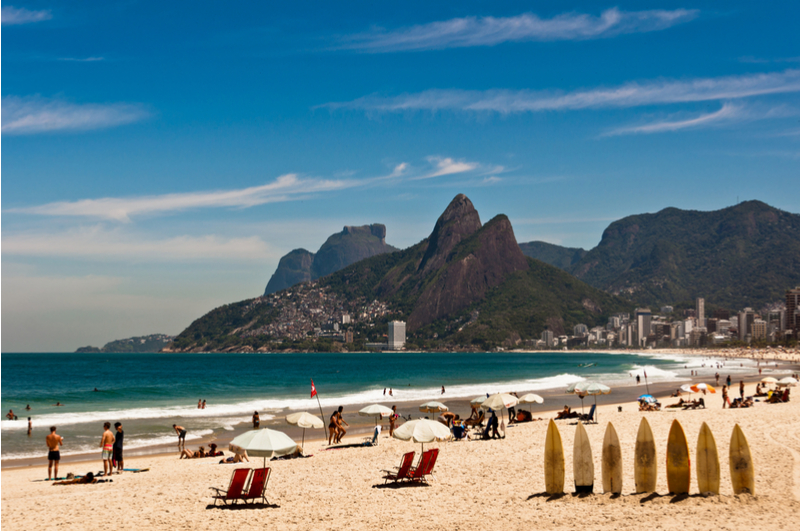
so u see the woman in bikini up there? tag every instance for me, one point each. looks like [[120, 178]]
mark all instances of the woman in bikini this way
[[332, 427], [339, 421]]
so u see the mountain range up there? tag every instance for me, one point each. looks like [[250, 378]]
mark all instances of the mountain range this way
[[743, 255], [338, 251], [467, 285]]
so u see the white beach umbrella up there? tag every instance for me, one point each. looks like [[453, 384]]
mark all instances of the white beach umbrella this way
[[263, 443], [432, 407], [304, 420], [531, 398], [499, 401], [478, 400], [769, 380], [422, 431], [788, 381], [587, 387], [687, 388], [375, 410]]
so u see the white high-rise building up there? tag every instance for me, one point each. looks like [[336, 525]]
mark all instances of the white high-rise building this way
[[700, 312], [397, 335], [643, 319], [548, 338]]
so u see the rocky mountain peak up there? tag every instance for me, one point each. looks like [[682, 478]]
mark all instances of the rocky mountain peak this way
[[458, 221]]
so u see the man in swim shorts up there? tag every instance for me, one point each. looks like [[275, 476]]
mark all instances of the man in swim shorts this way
[[107, 444], [118, 446], [181, 431], [54, 442]]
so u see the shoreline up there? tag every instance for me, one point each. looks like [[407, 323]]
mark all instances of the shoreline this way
[[555, 399]]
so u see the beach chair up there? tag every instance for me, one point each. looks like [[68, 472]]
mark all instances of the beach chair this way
[[402, 471], [590, 416], [235, 489], [425, 467], [373, 441], [258, 486]]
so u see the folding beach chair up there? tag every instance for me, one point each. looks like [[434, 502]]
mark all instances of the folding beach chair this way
[[373, 441], [425, 466], [258, 485], [590, 416], [235, 489], [402, 471]]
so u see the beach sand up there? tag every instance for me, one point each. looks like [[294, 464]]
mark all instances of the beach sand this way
[[479, 484]]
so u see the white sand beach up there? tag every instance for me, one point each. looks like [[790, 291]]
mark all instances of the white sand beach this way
[[479, 484]]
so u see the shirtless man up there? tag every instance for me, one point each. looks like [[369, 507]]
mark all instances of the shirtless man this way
[[107, 444], [54, 442], [10, 415], [181, 431]]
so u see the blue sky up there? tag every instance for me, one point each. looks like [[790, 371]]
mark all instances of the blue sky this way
[[159, 158]]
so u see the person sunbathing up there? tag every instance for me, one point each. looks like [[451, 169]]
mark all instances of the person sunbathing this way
[[566, 413], [524, 416], [188, 454], [477, 421], [87, 479], [679, 403]]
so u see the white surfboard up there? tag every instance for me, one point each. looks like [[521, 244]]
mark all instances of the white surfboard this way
[[553, 460], [645, 465], [582, 464], [612, 462], [707, 462]]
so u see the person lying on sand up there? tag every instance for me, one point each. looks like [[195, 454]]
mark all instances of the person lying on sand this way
[[85, 480], [567, 413], [679, 403], [188, 454]]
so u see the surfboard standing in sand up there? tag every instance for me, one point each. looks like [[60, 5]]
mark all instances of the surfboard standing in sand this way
[[645, 465], [582, 464], [553, 460], [741, 463], [612, 462], [707, 462], [679, 470]]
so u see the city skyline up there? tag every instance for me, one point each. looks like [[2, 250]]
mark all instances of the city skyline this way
[[160, 160]]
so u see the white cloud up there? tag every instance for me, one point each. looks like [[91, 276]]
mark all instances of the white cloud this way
[[491, 180], [284, 188], [632, 94], [489, 31], [19, 15], [31, 115], [447, 166], [98, 242]]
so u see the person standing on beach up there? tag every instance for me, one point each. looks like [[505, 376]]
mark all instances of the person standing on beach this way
[[54, 443], [728, 380], [638, 379], [181, 431], [341, 431], [716, 377], [256, 420], [724, 396], [741, 389], [107, 444], [392, 420], [332, 428], [118, 447]]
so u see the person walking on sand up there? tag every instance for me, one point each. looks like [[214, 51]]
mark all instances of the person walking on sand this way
[[54, 443], [638, 379], [341, 431], [256, 420], [107, 444], [181, 431], [724, 396], [118, 447], [716, 378], [741, 389], [392, 420], [728, 380], [332, 426]]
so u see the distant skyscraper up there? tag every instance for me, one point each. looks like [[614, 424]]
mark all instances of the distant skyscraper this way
[[746, 318], [793, 310], [643, 317], [397, 335], [548, 338], [700, 312]]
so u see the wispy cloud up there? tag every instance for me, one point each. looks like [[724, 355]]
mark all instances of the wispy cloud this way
[[34, 114], [285, 188], [729, 113], [447, 166], [490, 31], [82, 59], [98, 242], [632, 94], [19, 15]]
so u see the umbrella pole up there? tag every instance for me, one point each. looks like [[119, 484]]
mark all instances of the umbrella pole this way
[[596, 413], [303, 444]]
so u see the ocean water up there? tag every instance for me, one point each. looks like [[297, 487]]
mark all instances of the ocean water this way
[[150, 392]]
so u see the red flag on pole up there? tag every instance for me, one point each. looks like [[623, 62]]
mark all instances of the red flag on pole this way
[[313, 389], [645, 377]]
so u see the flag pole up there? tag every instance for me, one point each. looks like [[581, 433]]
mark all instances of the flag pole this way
[[645, 383], [322, 415]]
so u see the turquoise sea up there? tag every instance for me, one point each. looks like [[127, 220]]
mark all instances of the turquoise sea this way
[[150, 392]]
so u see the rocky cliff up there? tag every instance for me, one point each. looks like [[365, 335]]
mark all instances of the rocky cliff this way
[[339, 250]]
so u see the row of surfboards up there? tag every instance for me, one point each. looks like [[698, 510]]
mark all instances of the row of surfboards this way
[[645, 465]]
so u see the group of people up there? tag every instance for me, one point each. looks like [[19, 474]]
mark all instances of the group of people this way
[[336, 429], [110, 444], [201, 404], [201, 452]]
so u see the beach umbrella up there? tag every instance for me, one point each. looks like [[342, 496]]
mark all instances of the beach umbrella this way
[[432, 407], [499, 401], [422, 431], [304, 420], [263, 443], [769, 380], [594, 389], [375, 410], [788, 381], [531, 398], [699, 387], [573, 390], [478, 401], [650, 399], [687, 388]]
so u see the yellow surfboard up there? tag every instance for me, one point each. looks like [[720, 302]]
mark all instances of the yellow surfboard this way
[[582, 464], [741, 462], [553, 461], [679, 471], [707, 462], [645, 466], [612, 461]]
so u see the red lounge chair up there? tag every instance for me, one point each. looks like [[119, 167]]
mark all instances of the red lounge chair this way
[[258, 486], [403, 471], [235, 489], [425, 466]]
